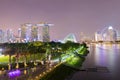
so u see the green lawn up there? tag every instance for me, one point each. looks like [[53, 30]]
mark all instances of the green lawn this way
[[4, 59]]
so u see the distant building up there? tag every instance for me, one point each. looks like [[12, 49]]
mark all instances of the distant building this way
[[71, 37], [19, 32], [18, 38], [29, 32], [26, 32], [98, 36], [45, 33], [109, 34], [10, 35], [34, 33], [118, 36], [1, 36]]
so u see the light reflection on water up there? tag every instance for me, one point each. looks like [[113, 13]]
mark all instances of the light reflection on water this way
[[107, 55], [108, 46]]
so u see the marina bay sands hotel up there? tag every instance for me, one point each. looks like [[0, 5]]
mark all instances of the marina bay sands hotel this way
[[34, 32], [26, 33]]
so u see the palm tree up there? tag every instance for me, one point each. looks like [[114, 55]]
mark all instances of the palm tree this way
[[18, 50], [34, 48], [24, 52], [9, 50]]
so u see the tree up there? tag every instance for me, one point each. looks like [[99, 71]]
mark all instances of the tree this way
[[34, 48], [9, 50], [24, 52]]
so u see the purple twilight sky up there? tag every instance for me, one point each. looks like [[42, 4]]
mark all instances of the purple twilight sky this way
[[68, 16]]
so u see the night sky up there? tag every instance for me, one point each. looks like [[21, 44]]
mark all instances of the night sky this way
[[68, 16]]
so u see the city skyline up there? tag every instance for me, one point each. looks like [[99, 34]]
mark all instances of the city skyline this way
[[68, 16]]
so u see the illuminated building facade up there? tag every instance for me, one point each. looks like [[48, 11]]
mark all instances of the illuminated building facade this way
[[1, 36], [10, 35], [107, 34], [98, 36], [118, 36], [26, 32], [34, 33], [71, 37], [45, 33]]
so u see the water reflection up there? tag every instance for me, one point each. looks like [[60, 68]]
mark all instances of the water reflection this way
[[107, 55], [100, 57], [108, 46]]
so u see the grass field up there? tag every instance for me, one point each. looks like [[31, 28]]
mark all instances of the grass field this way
[[4, 59]]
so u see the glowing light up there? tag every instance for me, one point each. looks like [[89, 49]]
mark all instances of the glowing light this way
[[25, 71], [0, 72], [1, 51], [28, 24], [70, 37], [14, 73], [110, 27], [44, 24], [2, 55]]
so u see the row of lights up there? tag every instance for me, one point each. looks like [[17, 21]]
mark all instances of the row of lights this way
[[45, 72]]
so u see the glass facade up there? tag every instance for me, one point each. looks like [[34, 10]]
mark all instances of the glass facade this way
[[109, 34]]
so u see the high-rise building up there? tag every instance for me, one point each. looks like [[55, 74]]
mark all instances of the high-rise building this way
[[19, 32], [1, 36], [98, 36], [109, 34], [118, 35], [45, 31], [29, 32], [34, 33], [10, 36], [26, 32], [71, 37]]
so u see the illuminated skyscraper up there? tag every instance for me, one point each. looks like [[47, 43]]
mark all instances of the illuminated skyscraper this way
[[118, 35], [45, 31], [19, 32], [29, 32], [1, 36], [109, 34], [10, 35], [34, 33], [26, 32], [98, 36]]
